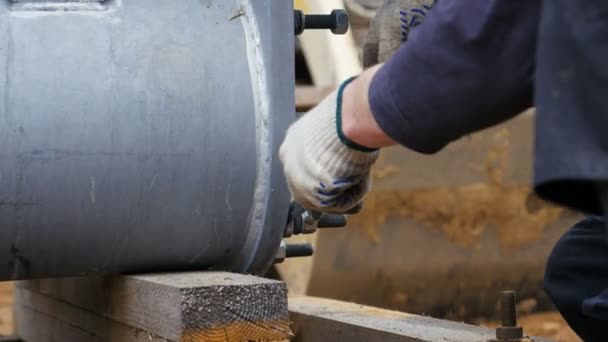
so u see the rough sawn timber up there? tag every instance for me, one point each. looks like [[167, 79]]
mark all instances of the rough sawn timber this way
[[318, 319], [196, 306]]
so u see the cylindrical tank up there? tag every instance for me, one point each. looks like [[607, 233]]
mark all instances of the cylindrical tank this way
[[141, 135]]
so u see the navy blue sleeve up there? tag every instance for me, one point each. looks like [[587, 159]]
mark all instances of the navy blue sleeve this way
[[470, 65]]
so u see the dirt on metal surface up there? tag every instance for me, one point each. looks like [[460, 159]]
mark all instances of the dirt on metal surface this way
[[463, 213]]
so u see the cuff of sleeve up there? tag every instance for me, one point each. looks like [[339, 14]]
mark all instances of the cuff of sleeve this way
[[397, 123], [343, 138]]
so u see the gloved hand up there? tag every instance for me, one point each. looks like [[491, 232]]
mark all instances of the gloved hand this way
[[391, 27], [324, 170]]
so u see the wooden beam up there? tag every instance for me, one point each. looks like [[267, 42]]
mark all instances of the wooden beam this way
[[316, 319], [309, 96], [196, 306], [41, 318]]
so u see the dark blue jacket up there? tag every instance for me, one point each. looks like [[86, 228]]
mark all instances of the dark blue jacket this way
[[475, 63]]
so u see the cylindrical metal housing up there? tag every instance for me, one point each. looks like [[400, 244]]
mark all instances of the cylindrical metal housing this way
[[142, 135]]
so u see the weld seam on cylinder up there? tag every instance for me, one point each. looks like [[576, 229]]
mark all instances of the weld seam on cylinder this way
[[259, 85]]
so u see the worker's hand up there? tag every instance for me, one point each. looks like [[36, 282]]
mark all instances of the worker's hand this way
[[323, 172], [391, 27]]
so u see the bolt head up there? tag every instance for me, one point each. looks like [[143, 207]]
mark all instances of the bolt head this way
[[309, 222], [299, 21], [509, 333], [288, 229], [342, 21]]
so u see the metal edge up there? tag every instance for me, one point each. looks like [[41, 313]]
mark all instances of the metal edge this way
[[270, 195]]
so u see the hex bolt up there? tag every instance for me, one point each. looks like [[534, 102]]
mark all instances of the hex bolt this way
[[508, 331], [302, 221], [337, 21]]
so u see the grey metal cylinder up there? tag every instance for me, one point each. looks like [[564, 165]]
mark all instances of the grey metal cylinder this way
[[141, 135]]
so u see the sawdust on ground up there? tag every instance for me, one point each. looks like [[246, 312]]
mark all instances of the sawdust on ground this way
[[463, 213]]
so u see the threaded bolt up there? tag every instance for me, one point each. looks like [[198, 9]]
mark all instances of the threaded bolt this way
[[331, 221], [508, 331], [508, 313], [296, 250]]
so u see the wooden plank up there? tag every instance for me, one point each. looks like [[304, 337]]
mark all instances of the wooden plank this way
[[195, 306], [316, 319], [40, 318]]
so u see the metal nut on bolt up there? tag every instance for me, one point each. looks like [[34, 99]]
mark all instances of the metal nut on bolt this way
[[303, 221], [309, 223], [295, 250], [281, 253]]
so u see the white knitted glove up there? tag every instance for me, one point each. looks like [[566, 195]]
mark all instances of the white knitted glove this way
[[325, 171], [391, 27]]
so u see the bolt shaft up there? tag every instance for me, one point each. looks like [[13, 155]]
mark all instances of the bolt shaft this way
[[331, 221], [298, 250], [508, 309]]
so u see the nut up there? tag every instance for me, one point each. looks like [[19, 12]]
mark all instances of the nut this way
[[342, 21]]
